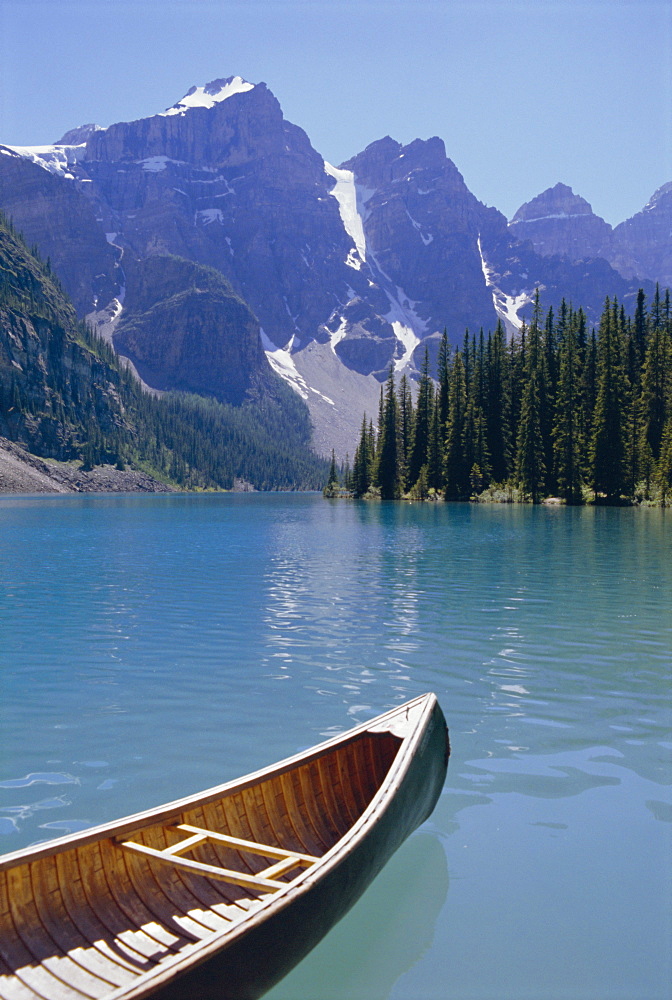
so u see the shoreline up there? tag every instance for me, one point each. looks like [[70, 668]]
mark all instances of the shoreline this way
[[24, 473]]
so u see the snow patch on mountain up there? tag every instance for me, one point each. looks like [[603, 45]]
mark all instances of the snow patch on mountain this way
[[409, 341], [506, 306], [207, 216], [339, 333], [281, 361], [345, 193], [556, 215], [425, 237], [155, 164], [409, 328], [79, 135], [209, 95], [407, 325], [57, 160]]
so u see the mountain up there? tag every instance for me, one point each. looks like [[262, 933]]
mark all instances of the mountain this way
[[184, 328], [560, 222], [54, 214], [346, 270], [642, 245], [65, 396]]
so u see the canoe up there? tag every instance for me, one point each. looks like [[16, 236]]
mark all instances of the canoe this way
[[220, 894]]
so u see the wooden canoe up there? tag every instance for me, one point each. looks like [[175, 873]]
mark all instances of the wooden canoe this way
[[220, 894]]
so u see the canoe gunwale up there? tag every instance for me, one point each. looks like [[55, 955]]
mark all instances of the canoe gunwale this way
[[169, 812]]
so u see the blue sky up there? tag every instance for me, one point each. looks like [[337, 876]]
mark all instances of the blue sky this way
[[524, 94]]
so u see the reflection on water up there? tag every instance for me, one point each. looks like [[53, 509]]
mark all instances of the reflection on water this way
[[152, 646], [372, 948]]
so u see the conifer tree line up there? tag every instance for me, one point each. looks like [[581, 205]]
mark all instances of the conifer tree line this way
[[557, 411]]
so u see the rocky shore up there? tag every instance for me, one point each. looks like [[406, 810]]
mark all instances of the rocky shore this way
[[21, 472]]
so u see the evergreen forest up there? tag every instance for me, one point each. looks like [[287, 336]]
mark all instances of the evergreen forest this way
[[559, 411]]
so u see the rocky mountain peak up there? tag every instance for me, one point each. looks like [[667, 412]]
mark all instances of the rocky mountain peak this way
[[560, 222], [642, 245], [212, 93], [661, 197], [374, 163], [227, 121], [387, 161], [78, 136], [554, 203]]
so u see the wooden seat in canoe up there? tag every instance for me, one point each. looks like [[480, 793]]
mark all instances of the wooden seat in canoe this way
[[266, 880]]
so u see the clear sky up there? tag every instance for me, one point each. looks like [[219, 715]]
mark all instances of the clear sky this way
[[524, 93]]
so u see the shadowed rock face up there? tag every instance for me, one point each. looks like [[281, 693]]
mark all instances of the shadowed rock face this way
[[56, 216], [560, 222], [422, 227], [185, 328], [642, 245]]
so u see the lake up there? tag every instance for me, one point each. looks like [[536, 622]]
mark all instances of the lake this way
[[151, 646]]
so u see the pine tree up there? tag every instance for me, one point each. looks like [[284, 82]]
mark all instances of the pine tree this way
[[475, 448], [420, 490], [640, 328], [347, 473], [588, 394], [456, 473], [443, 373], [435, 451], [547, 391], [607, 453], [633, 417], [515, 382], [362, 470], [423, 422], [656, 378], [530, 464], [664, 467], [477, 456], [406, 424], [388, 478], [498, 405], [566, 435], [333, 485]]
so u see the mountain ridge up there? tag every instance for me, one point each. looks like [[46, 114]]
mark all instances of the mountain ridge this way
[[349, 270]]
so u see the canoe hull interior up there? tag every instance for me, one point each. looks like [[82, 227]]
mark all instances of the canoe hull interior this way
[[220, 895]]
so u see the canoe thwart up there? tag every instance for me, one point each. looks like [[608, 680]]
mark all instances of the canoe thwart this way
[[251, 846], [266, 880]]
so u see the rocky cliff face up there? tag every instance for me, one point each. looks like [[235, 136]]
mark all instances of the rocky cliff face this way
[[54, 214], [561, 222], [349, 270], [52, 386], [184, 328], [233, 186], [421, 228], [642, 245]]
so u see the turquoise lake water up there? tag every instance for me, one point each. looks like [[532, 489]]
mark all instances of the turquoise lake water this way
[[151, 646]]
